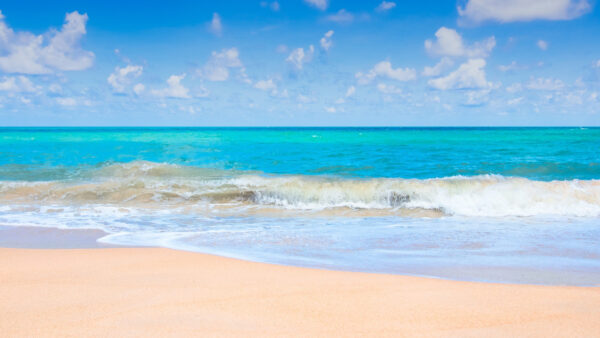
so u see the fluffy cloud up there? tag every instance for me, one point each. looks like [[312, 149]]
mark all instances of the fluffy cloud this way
[[217, 67], [319, 4], [543, 45], [509, 67], [469, 75], [351, 91], [477, 97], [73, 101], [449, 43], [66, 101], [441, 66], [384, 69], [325, 41], [122, 77], [57, 50], [515, 101], [17, 84], [545, 84], [55, 88], [216, 27], [304, 99], [514, 88], [174, 89], [342, 16], [267, 86], [385, 6], [388, 89], [522, 10], [138, 88], [298, 57]]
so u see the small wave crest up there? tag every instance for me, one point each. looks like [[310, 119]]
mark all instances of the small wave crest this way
[[156, 185]]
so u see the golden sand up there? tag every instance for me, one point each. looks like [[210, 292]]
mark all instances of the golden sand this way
[[161, 292]]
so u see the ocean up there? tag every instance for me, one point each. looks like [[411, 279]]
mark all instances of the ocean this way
[[483, 204]]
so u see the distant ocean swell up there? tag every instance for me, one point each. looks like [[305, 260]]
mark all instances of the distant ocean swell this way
[[142, 184]]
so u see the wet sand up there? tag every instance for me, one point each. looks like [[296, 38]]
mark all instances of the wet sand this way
[[162, 292], [51, 238]]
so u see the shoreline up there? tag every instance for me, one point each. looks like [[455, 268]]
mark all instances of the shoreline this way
[[35, 237], [156, 292]]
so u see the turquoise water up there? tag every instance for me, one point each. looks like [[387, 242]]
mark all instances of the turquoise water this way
[[490, 204], [535, 153]]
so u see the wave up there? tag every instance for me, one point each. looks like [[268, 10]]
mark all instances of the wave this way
[[159, 185]]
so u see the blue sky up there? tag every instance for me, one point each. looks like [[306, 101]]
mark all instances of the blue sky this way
[[300, 63]]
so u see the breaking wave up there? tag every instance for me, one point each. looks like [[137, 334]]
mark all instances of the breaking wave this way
[[157, 185]]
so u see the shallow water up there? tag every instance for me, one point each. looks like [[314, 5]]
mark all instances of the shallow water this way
[[488, 204]]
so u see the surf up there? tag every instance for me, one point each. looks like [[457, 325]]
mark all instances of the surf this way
[[144, 184]]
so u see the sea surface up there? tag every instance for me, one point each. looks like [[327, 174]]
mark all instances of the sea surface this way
[[484, 204]]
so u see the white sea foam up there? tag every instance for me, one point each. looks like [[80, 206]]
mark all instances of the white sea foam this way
[[165, 187]]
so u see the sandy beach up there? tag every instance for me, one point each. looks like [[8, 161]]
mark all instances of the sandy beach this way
[[162, 292]]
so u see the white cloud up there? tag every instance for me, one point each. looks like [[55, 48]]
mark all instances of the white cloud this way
[[325, 41], [139, 88], [17, 84], [298, 57], [319, 4], [66, 101], [522, 10], [384, 69], [469, 75], [351, 91], [449, 43], [271, 86], [388, 89], [216, 27], [121, 78], [385, 6], [56, 50], [190, 109], [575, 97], [509, 67], [477, 97], [440, 67], [515, 87], [217, 67], [266, 85], [543, 45], [515, 101], [55, 88], [597, 64], [330, 109], [304, 99], [342, 16], [545, 84], [174, 89]]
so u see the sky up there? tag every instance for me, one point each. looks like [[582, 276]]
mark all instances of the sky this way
[[300, 63]]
